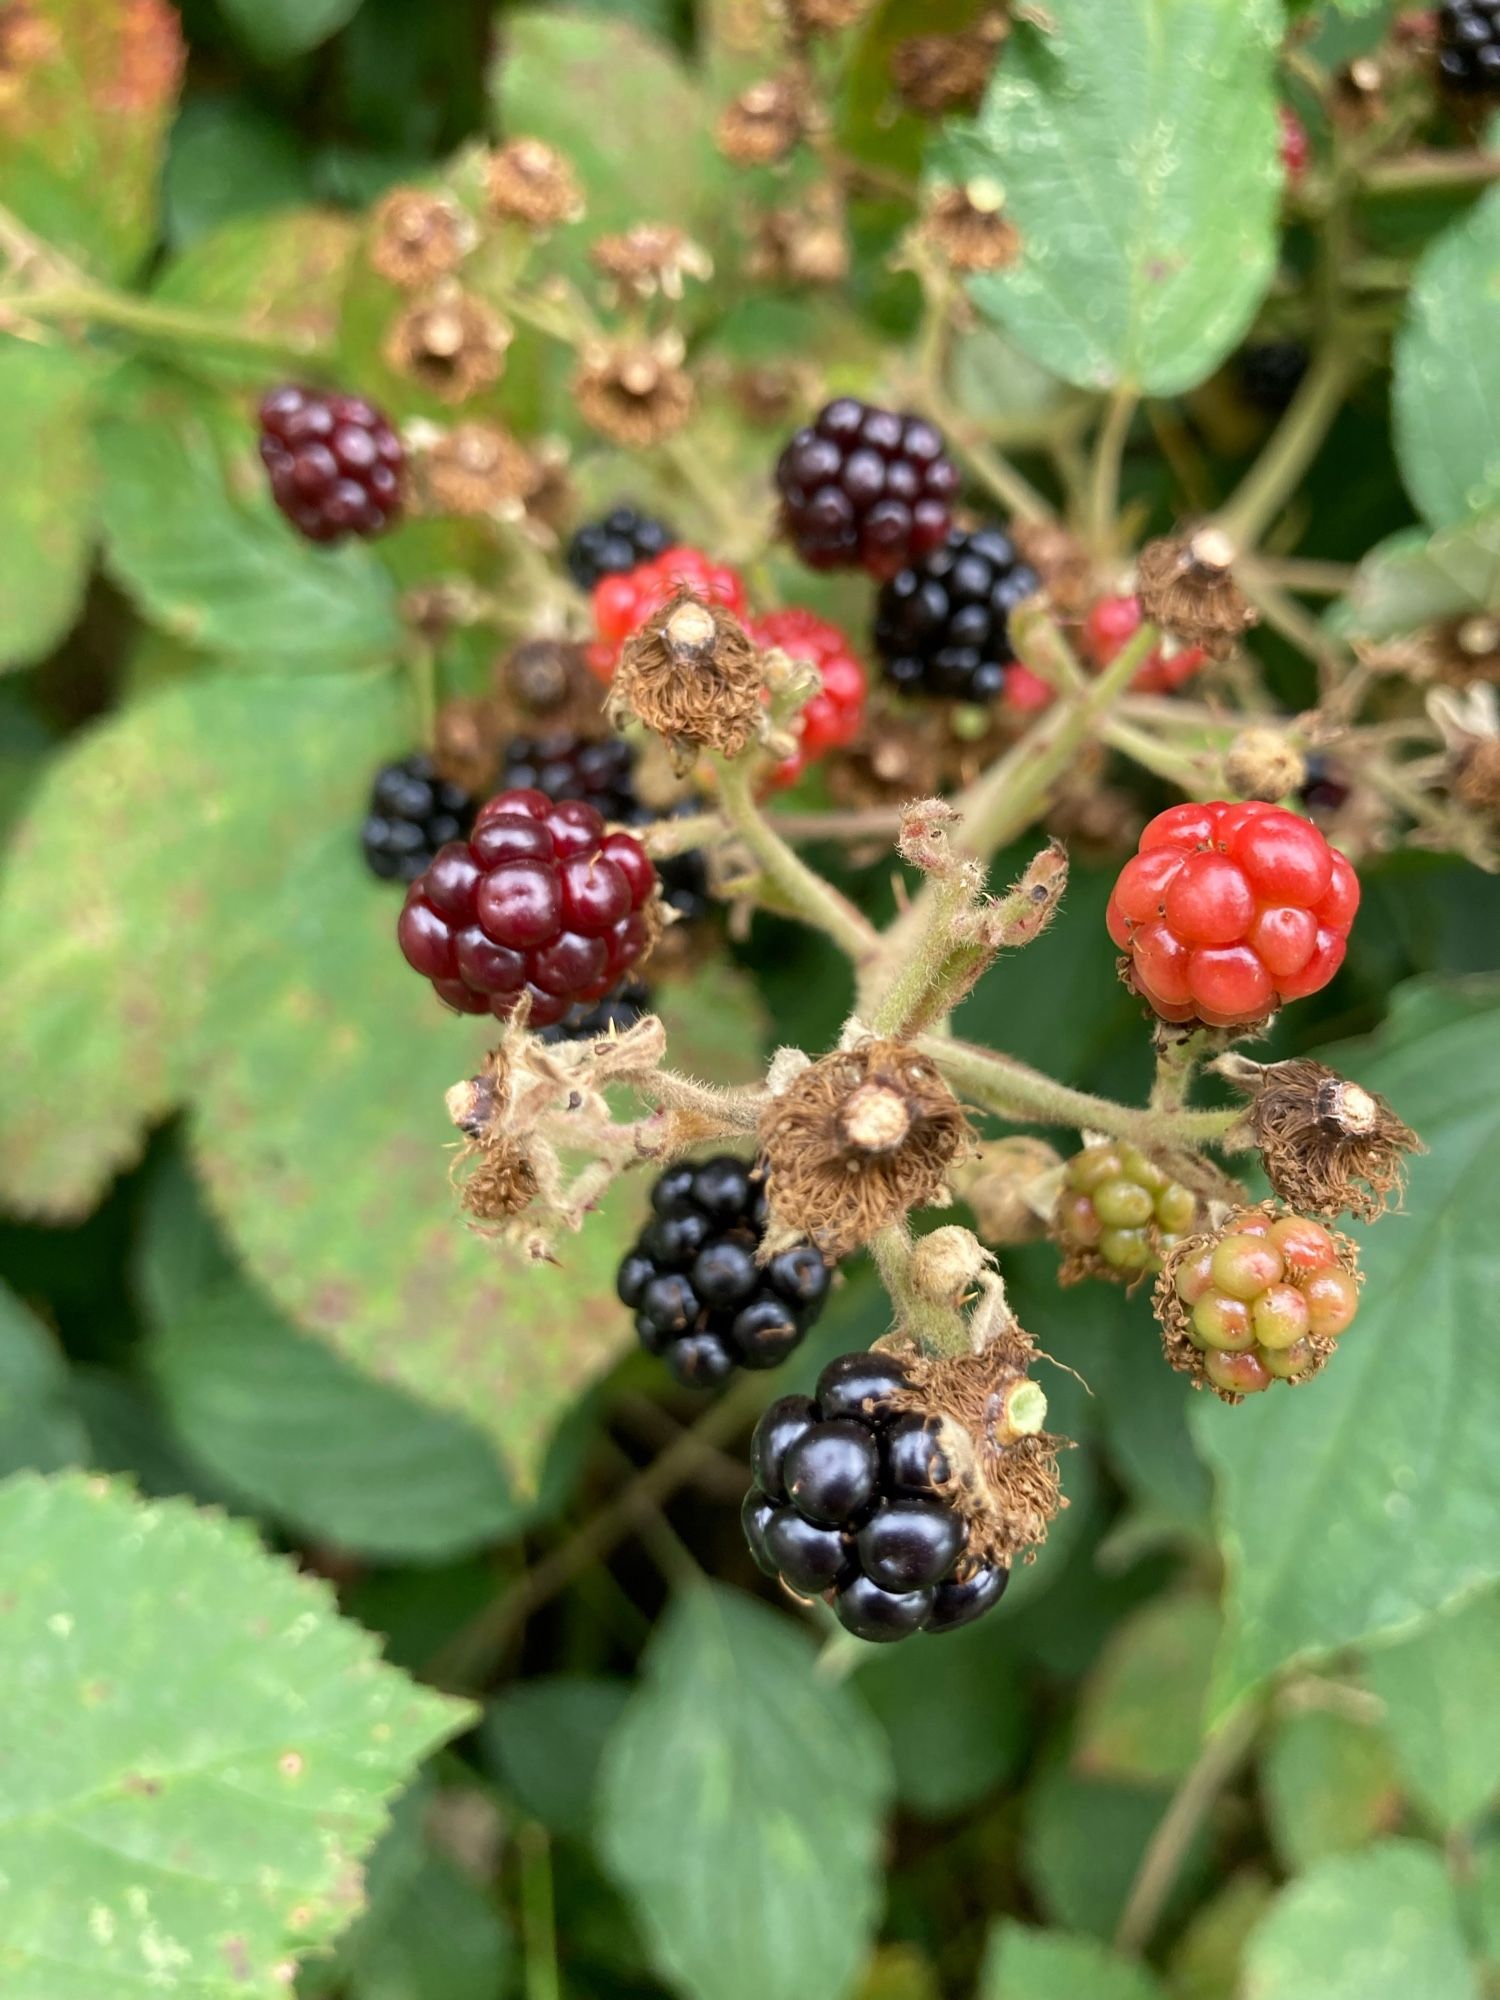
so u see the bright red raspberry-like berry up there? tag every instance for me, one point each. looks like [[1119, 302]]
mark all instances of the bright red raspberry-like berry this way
[[1296, 148], [1113, 623], [335, 463], [1228, 911], [623, 603], [539, 900], [866, 488], [833, 717]]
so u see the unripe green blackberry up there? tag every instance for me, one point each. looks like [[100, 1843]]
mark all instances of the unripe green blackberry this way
[[1119, 1214]]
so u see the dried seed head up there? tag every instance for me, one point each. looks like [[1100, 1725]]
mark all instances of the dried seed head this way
[[1262, 764], [635, 394], [825, 17], [766, 120], [803, 245], [968, 227], [1008, 1186], [450, 342], [936, 74], [529, 181], [1475, 776], [465, 743], [648, 258], [856, 1140], [1330, 1146], [417, 237], [549, 679], [1061, 561], [476, 468], [1187, 586], [693, 675]]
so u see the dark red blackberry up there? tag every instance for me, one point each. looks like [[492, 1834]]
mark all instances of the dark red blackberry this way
[[1270, 373], [849, 1501], [615, 1012], [616, 544], [865, 488], [335, 463], [413, 812], [538, 901], [942, 626], [701, 1301], [1469, 46]]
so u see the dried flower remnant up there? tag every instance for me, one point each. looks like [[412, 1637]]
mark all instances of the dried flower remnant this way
[[1186, 585], [693, 674], [417, 237], [764, 123], [1263, 764], [650, 258], [449, 342], [968, 226], [476, 468], [1330, 1147], [529, 181], [803, 245], [938, 74], [635, 394]]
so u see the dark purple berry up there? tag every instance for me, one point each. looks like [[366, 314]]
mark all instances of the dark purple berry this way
[[881, 1616], [832, 1471], [865, 488], [1469, 46], [756, 1515], [724, 1272], [765, 1332], [809, 1558], [780, 1426], [861, 1385], [334, 462], [635, 1273], [617, 543], [956, 1604], [915, 1463], [942, 625], [910, 1544]]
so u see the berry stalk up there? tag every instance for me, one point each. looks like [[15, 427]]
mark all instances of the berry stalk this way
[[817, 902]]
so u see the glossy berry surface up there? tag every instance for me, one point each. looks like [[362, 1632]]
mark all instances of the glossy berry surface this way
[[334, 462], [413, 812], [1270, 373], [615, 544], [1110, 626], [622, 604], [1228, 911], [942, 626], [1121, 1207], [849, 1501], [1469, 46], [832, 718], [701, 1301], [1260, 1296], [539, 900], [866, 488]]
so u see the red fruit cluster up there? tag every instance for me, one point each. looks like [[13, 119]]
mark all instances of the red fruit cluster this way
[[1108, 630], [833, 717], [624, 602], [1227, 911], [539, 900], [1262, 1298]]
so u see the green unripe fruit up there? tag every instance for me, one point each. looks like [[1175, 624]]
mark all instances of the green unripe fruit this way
[[1223, 1323], [1123, 1204]]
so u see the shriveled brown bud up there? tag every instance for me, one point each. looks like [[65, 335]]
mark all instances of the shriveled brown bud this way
[[693, 674], [634, 393], [968, 226], [450, 342], [1008, 1185], [947, 1263], [1061, 561], [417, 237], [547, 681], [803, 245], [1330, 1146], [1186, 585], [856, 1140], [1262, 764], [648, 258], [936, 74], [825, 17], [766, 120], [500, 1178], [466, 743], [475, 468], [529, 181], [1476, 776]]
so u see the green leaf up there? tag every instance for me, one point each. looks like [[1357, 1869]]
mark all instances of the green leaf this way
[[1439, 1715], [1381, 1925], [1140, 1717], [90, 87], [1205, 1960], [1328, 1784], [40, 1430], [1413, 580], [191, 533], [1137, 147], [280, 275], [47, 499], [956, 1722], [1384, 1471], [98, 1013], [742, 1808], [1025, 1964], [1083, 1840], [197, 1749], [274, 31], [1447, 380], [227, 158], [546, 1739]]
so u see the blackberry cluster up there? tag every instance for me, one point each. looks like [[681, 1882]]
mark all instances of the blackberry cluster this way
[[700, 1299], [616, 544], [334, 461], [942, 627], [864, 488], [849, 1500], [1120, 1207], [1270, 373], [618, 1010], [1469, 46], [413, 812]]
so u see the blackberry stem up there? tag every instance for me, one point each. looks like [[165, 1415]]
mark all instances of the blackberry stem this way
[[934, 1328], [151, 321], [817, 902], [1104, 477]]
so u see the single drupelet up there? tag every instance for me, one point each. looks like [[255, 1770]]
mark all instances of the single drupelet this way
[[1120, 1210], [701, 1299], [866, 488], [942, 625], [413, 812], [849, 1503], [540, 901], [335, 464], [615, 544]]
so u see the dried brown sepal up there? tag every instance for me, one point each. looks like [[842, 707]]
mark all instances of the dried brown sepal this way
[[1330, 1146], [634, 392], [968, 227], [417, 237], [936, 74], [1186, 586], [766, 120], [856, 1140], [475, 468], [803, 245], [529, 181], [1009, 1184], [693, 674], [450, 342], [650, 258], [1061, 561], [466, 743], [1262, 764], [1475, 776]]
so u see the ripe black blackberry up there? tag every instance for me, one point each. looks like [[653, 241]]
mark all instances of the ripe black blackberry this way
[[619, 542], [335, 463], [700, 1299], [942, 626], [413, 812], [1469, 46], [866, 488], [849, 1501], [1270, 373], [618, 1010]]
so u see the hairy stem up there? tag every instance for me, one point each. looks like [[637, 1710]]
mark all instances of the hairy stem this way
[[1104, 475], [538, 1912], [817, 902], [150, 320], [931, 1326], [1428, 173]]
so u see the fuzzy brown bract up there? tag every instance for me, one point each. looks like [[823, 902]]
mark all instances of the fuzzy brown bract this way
[[936, 74], [529, 181], [693, 675], [417, 237], [634, 393], [1186, 586], [475, 468], [969, 229], [450, 342], [856, 1140], [764, 123], [1262, 764], [1330, 1147]]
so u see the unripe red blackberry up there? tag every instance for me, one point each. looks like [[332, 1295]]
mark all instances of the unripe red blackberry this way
[[1110, 626], [833, 717], [1469, 46], [702, 1299], [615, 544], [413, 812], [539, 901], [942, 626], [1119, 1210], [335, 464], [866, 488]]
